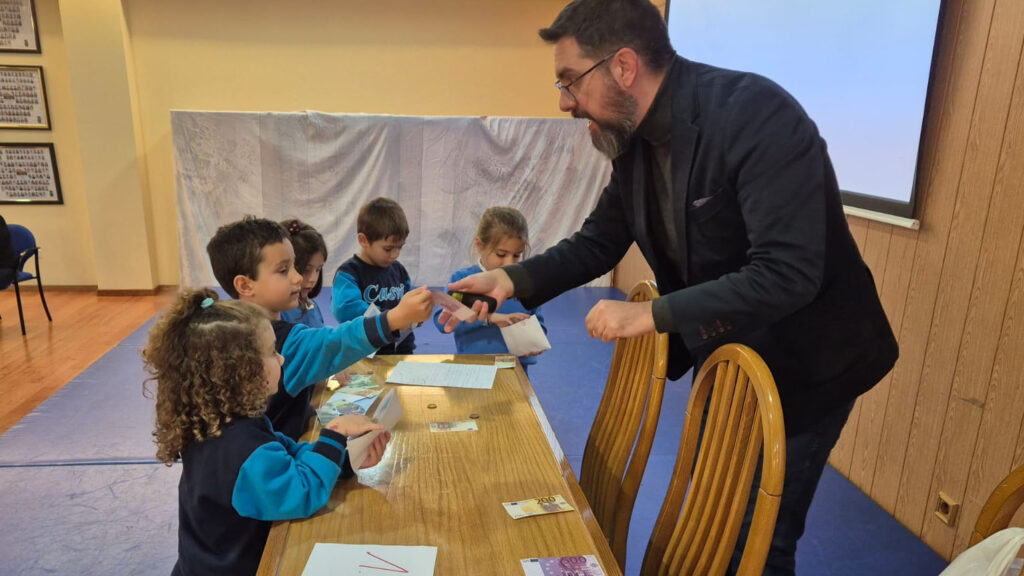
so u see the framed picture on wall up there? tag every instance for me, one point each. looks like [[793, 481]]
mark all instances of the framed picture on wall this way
[[18, 32], [23, 98], [28, 174]]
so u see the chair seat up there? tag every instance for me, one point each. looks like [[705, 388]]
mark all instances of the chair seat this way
[[22, 276]]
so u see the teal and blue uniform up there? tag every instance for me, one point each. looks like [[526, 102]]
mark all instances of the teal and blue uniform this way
[[358, 284], [311, 316], [234, 485], [315, 354]]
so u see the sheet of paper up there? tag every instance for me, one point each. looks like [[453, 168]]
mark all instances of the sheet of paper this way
[[537, 506], [525, 337], [370, 560], [387, 414], [444, 374], [454, 426], [456, 308], [563, 566], [505, 361], [370, 313]]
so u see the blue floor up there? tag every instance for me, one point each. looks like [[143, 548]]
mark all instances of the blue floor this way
[[83, 494]]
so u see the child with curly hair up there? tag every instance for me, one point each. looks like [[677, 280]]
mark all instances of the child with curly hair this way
[[215, 364]]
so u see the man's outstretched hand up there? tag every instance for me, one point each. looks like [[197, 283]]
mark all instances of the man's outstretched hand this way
[[494, 283]]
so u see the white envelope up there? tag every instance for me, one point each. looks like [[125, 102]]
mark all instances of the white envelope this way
[[387, 414], [525, 337], [370, 313]]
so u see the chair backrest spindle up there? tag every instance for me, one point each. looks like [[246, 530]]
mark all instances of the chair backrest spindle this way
[[623, 430]]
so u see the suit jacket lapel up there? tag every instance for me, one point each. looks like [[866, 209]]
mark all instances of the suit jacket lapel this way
[[638, 181], [683, 143]]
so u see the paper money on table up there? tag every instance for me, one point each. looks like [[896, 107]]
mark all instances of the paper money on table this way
[[504, 361], [456, 426], [537, 506], [361, 385], [335, 407], [563, 566]]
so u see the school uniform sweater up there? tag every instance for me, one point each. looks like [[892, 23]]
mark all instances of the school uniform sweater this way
[[311, 316], [235, 485], [315, 354], [358, 284]]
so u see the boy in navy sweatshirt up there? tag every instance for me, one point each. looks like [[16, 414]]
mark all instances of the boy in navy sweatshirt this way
[[375, 276]]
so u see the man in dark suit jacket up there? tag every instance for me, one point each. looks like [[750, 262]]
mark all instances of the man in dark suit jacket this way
[[726, 186]]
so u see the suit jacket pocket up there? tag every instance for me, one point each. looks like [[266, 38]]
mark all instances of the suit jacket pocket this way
[[702, 209], [716, 236]]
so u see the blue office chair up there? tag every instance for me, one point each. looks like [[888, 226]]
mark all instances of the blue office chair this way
[[24, 244]]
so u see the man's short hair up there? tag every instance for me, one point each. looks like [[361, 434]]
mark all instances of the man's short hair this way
[[601, 26], [382, 218], [235, 249]]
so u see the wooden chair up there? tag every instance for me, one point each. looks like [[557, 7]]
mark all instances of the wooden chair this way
[[744, 415], [1000, 507], [625, 425]]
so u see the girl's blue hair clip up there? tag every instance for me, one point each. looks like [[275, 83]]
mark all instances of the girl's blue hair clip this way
[[206, 303]]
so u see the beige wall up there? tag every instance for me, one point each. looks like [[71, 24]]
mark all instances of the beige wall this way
[[99, 60], [445, 57], [62, 231], [949, 416]]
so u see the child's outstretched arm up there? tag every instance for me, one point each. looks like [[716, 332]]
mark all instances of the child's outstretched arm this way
[[315, 354], [414, 308], [284, 480], [347, 299]]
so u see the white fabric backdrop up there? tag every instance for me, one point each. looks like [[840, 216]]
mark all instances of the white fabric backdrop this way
[[321, 168]]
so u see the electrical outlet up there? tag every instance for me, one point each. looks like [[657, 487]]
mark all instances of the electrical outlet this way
[[947, 509]]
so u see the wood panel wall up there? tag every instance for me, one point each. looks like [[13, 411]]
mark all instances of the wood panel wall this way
[[949, 416]]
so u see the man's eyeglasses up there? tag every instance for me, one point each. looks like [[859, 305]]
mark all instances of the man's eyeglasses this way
[[565, 87]]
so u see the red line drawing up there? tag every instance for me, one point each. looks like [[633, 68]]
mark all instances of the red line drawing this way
[[399, 571]]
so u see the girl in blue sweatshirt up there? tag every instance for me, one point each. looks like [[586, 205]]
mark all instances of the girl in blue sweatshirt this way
[[501, 239], [310, 255], [215, 363]]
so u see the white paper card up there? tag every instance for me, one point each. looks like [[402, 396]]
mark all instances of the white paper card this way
[[370, 560], [387, 414], [370, 313], [525, 337], [445, 374]]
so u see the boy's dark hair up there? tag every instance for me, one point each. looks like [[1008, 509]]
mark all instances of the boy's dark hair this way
[[235, 249], [306, 241], [382, 218], [601, 26]]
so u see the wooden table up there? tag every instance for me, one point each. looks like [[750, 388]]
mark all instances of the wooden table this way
[[446, 489]]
